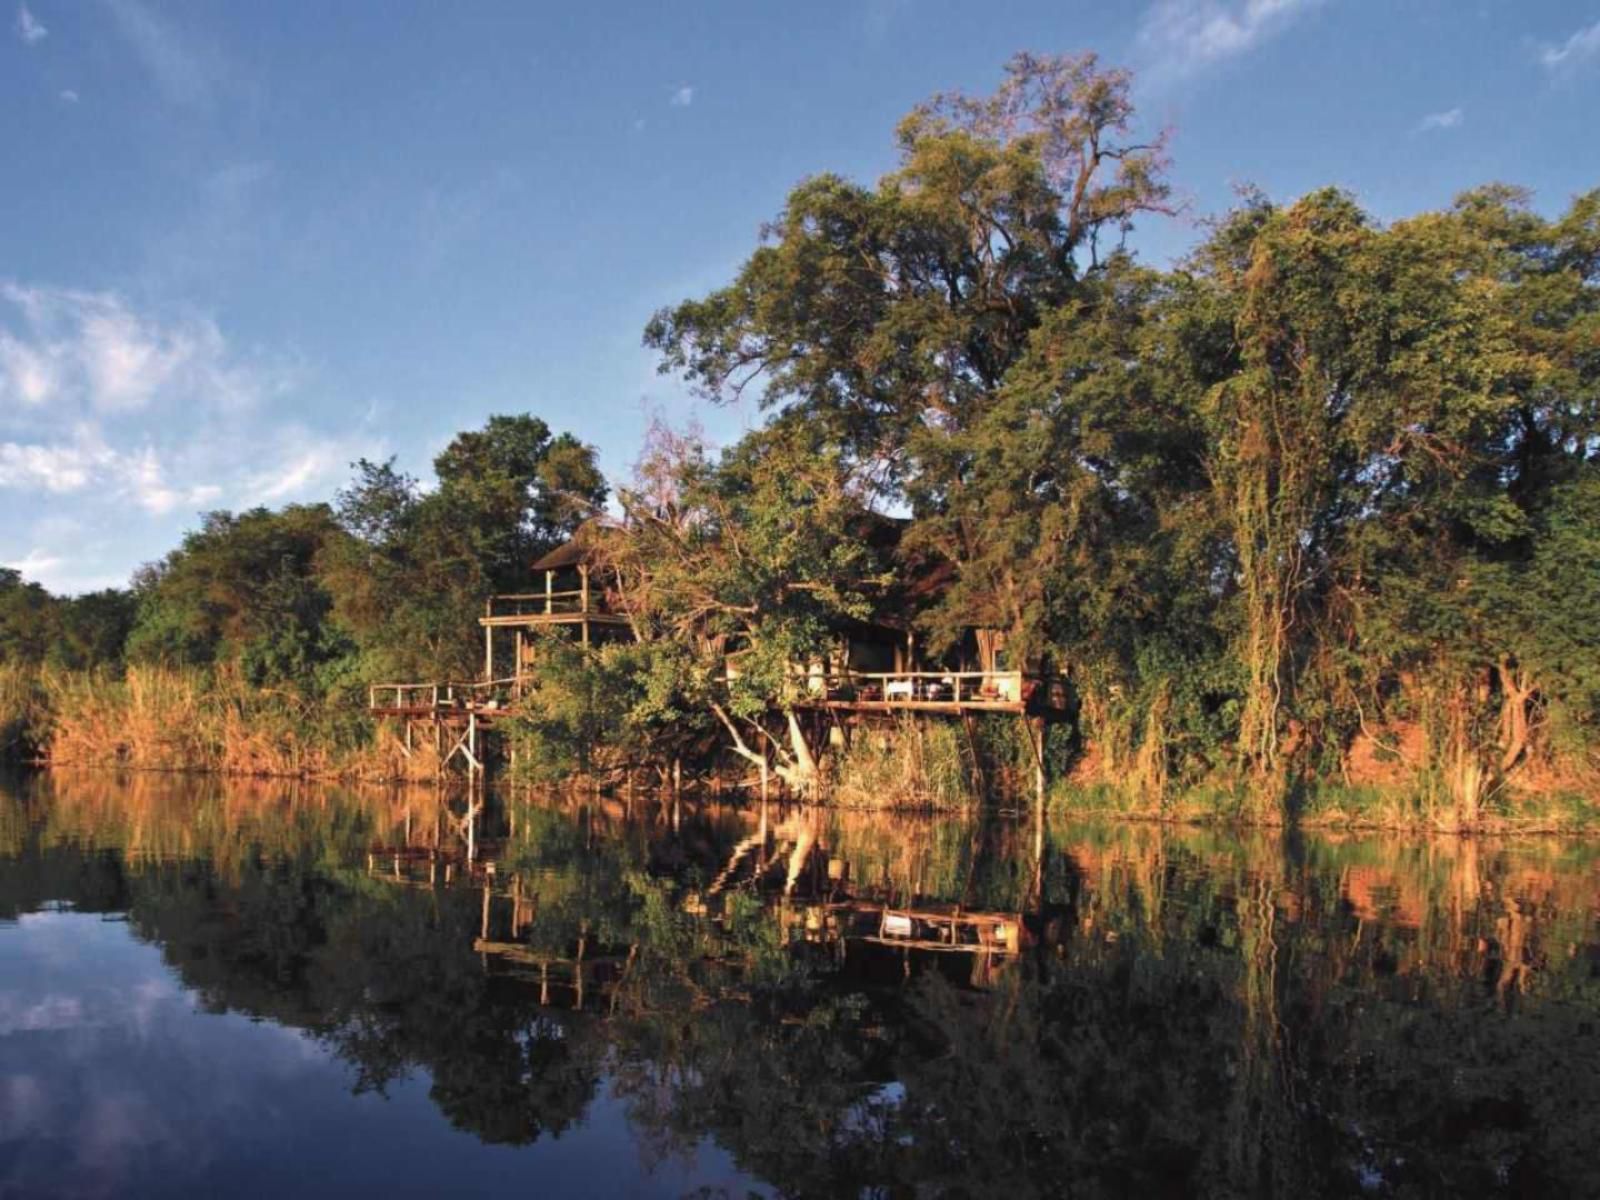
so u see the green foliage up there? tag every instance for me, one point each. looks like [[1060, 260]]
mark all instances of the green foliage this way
[[1323, 480], [417, 564], [1322, 499], [617, 707], [24, 719], [243, 590], [760, 557], [75, 632], [27, 619]]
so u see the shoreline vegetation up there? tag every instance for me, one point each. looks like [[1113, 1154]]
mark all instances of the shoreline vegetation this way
[[190, 723], [1306, 526]]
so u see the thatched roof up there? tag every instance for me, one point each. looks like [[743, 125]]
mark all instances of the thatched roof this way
[[575, 551]]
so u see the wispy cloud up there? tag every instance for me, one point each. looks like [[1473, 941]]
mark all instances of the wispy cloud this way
[[1180, 37], [29, 28], [683, 97], [35, 563], [91, 351], [85, 461], [1582, 47], [59, 468], [116, 415], [185, 69], [301, 463], [68, 96], [1448, 119], [452, 214]]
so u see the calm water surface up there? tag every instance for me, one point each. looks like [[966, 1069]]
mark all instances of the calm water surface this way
[[212, 989]]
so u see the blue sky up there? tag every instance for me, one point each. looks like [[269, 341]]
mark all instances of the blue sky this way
[[243, 244]]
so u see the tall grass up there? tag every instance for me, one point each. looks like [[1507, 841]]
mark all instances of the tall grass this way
[[931, 763], [908, 764], [155, 718]]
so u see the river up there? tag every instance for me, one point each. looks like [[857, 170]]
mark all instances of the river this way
[[213, 988]]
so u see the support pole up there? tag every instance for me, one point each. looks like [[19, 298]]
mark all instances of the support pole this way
[[1041, 782]]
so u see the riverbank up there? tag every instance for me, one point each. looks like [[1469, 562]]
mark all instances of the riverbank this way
[[216, 722]]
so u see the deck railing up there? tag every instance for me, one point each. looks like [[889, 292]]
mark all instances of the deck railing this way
[[956, 687], [490, 694], [532, 604], [953, 687]]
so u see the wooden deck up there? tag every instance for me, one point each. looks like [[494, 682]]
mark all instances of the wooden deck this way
[[534, 620], [525, 610], [951, 693], [950, 707], [447, 702], [943, 929]]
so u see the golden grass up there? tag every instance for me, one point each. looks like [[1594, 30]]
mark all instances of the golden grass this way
[[155, 718]]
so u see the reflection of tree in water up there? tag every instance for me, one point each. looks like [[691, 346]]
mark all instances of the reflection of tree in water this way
[[1207, 1022], [1197, 1014]]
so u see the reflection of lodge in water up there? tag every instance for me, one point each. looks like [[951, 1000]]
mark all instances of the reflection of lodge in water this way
[[804, 890], [1451, 901], [1256, 1013]]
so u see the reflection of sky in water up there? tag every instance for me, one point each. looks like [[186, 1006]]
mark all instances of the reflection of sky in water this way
[[112, 1083]]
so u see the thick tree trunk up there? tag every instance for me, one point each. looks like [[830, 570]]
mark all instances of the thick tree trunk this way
[[1516, 694], [804, 767], [798, 768]]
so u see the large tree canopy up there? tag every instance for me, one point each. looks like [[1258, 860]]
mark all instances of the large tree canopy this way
[[891, 312], [1322, 475]]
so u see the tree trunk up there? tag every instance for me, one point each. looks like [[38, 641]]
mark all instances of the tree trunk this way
[[1516, 693]]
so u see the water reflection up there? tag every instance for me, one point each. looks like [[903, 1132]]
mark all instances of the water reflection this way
[[795, 1002]]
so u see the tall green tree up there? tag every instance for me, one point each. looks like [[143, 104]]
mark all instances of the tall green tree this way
[[29, 619], [891, 314], [418, 563], [243, 590]]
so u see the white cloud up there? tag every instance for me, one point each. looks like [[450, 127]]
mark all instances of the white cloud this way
[[302, 465], [683, 97], [1179, 37], [144, 479], [1580, 48], [35, 564], [1448, 119], [91, 352], [126, 420], [68, 96], [83, 460], [28, 374], [66, 466], [29, 27]]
